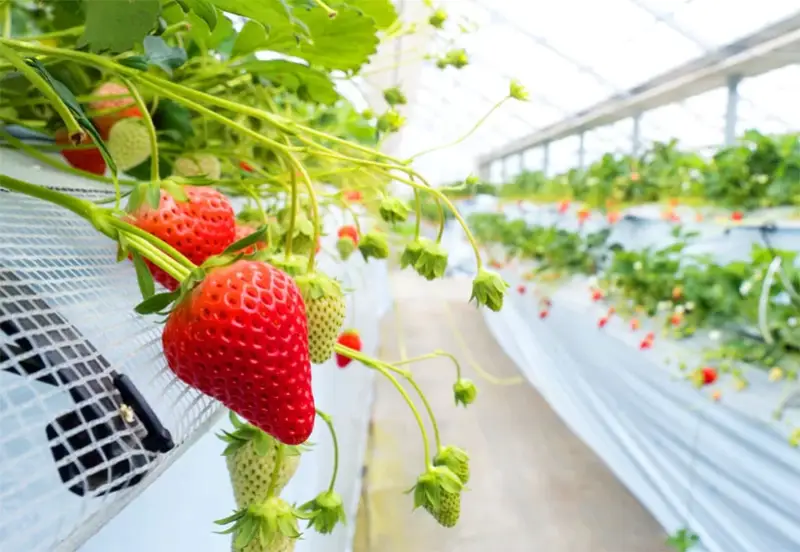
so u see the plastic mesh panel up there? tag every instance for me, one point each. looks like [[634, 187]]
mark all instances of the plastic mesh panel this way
[[68, 340]]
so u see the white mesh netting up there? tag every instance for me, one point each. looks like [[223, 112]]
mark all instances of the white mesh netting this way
[[71, 353]]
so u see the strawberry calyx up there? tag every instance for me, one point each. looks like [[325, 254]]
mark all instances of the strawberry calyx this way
[[244, 433], [432, 484], [316, 286], [267, 524], [429, 259], [324, 512], [455, 459], [488, 289], [374, 245], [464, 391], [393, 210]]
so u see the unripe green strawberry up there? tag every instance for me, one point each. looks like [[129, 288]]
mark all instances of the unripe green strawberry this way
[[129, 143], [345, 246], [198, 164], [280, 543], [250, 456], [325, 309], [449, 509], [454, 458]]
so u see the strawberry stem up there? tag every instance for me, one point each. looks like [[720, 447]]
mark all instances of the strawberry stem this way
[[329, 422], [435, 354], [386, 371], [155, 175], [292, 217], [312, 196], [276, 470], [140, 241]]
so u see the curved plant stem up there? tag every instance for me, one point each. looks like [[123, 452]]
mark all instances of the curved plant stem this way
[[73, 128], [312, 196], [469, 133], [386, 371], [72, 31], [292, 216], [276, 471], [329, 422], [430, 356], [155, 175]]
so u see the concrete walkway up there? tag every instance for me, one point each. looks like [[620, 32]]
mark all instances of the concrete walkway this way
[[534, 487]]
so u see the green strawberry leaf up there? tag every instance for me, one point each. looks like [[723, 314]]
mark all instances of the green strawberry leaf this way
[[74, 106], [271, 13], [118, 26], [251, 38], [172, 116], [382, 12], [135, 62], [247, 241], [143, 276], [345, 42], [157, 303], [309, 84], [160, 54], [204, 9]]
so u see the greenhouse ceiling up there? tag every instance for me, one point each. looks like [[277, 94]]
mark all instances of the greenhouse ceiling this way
[[572, 56]]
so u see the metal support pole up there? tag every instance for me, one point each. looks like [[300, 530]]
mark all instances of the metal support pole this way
[[636, 136], [732, 109], [581, 149]]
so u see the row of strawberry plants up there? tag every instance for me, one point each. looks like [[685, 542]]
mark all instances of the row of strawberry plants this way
[[758, 171], [170, 107], [687, 293]]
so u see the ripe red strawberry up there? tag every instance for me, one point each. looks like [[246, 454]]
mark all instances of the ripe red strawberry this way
[[243, 230], [245, 166], [89, 160], [125, 106], [241, 337], [676, 319], [583, 215], [350, 339], [645, 344], [613, 217], [737, 216], [349, 232], [597, 294], [543, 313], [635, 324], [709, 375], [521, 289], [352, 196], [602, 322], [199, 228], [563, 207]]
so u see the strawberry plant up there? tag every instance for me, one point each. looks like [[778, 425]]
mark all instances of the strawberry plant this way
[[175, 110]]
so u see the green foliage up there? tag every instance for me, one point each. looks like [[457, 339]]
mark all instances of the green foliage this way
[[118, 26], [757, 171]]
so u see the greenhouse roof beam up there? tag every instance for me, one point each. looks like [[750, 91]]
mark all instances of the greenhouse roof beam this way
[[773, 47]]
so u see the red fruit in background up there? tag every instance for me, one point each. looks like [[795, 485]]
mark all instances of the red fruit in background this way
[[199, 228], [352, 196], [352, 340], [89, 160], [634, 324], [613, 217], [241, 337], [242, 231], [709, 375], [645, 344], [676, 319], [583, 215], [737, 216], [125, 106], [563, 207], [521, 289], [348, 231], [245, 166], [602, 322], [543, 313], [597, 295]]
